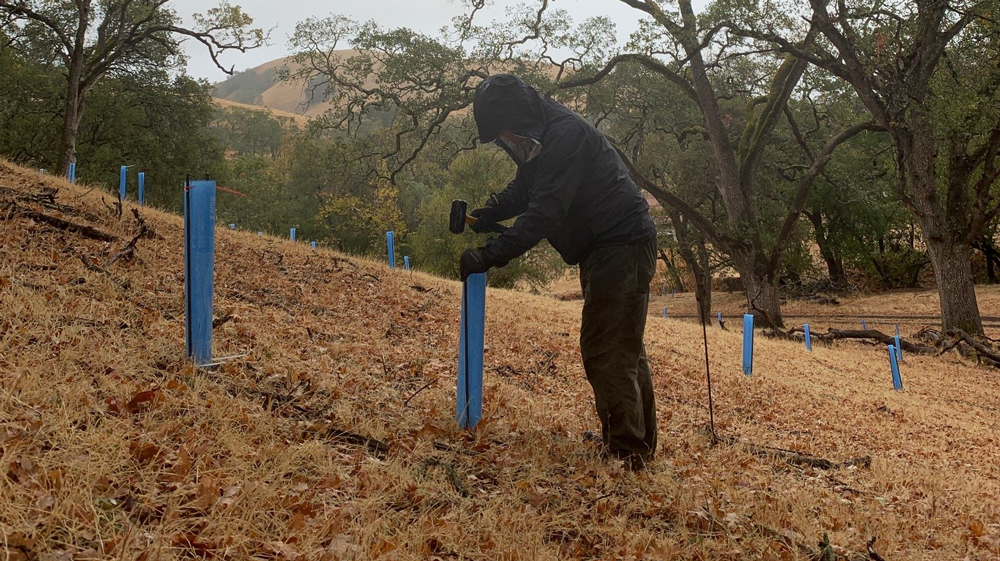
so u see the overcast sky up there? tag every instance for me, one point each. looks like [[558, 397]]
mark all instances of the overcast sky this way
[[426, 16]]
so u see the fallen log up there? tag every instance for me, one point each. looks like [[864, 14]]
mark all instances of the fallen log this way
[[793, 457], [83, 230], [867, 334]]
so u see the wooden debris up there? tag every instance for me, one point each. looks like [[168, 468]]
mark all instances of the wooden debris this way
[[83, 230], [793, 457]]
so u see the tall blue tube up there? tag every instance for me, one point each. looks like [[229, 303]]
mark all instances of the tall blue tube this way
[[199, 268], [747, 344], [72, 172], [406, 262], [291, 234], [312, 244], [899, 349], [391, 249], [142, 188], [897, 380], [469, 401], [122, 174], [809, 342]]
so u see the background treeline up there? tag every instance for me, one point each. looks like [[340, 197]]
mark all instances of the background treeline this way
[[791, 151]]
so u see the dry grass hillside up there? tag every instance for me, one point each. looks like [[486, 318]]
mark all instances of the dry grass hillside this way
[[333, 435], [292, 97], [299, 120]]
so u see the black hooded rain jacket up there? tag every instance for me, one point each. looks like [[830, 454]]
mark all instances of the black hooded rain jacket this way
[[576, 192]]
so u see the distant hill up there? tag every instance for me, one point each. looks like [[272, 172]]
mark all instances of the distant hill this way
[[300, 120], [260, 86]]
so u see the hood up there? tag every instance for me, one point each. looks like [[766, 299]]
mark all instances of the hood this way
[[504, 103]]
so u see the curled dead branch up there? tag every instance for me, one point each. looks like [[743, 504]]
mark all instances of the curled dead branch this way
[[981, 349], [87, 231]]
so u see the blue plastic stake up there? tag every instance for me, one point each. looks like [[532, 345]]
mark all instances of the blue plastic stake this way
[[897, 380], [671, 293], [72, 172], [259, 233], [313, 244], [291, 234], [142, 188], [899, 349], [719, 317], [664, 312], [469, 402], [122, 173], [406, 262], [747, 344], [864, 325], [232, 226], [809, 342], [391, 248], [41, 171], [199, 268]]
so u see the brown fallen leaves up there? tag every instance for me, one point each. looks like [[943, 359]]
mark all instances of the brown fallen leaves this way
[[111, 446]]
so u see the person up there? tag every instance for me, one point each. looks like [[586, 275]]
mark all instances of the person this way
[[573, 189]]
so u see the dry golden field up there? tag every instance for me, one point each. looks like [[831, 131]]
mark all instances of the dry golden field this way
[[298, 120], [320, 442]]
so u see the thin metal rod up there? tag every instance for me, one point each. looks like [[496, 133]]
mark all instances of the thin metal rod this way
[[708, 375]]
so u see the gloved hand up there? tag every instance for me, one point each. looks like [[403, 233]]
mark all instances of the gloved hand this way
[[486, 218], [472, 262]]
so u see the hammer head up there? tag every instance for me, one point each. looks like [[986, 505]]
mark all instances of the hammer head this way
[[456, 222]]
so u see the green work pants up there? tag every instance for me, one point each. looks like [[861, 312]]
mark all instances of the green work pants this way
[[615, 282]]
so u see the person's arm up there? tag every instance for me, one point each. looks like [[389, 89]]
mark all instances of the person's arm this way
[[560, 170], [510, 202]]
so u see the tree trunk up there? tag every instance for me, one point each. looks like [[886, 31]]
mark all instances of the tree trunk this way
[[75, 91], [834, 266], [675, 275], [944, 224], [761, 290], [71, 125], [699, 266], [703, 284], [952, 263]]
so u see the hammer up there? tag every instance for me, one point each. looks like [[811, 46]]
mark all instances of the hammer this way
[[459, 218]]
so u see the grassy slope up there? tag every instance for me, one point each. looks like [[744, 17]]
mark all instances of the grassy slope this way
[[301, 121], [244, 461]]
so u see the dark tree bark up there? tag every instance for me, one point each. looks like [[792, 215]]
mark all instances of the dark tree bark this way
[[834, 263]]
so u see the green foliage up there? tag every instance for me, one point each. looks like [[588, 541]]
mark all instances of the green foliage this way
[[130, 120], [250, 131], [472, 177], [359, 222]]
